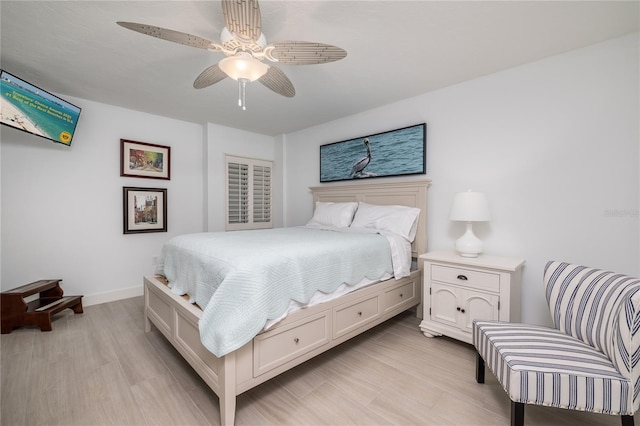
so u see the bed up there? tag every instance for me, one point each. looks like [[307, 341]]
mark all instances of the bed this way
[[304, 333]]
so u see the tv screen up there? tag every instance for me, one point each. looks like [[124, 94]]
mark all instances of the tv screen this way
[[36, 111]]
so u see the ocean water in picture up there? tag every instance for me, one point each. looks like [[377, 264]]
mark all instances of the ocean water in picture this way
[[399, 152], [28, 108]]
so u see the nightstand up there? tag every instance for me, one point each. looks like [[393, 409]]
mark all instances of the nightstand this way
[[457, 290]]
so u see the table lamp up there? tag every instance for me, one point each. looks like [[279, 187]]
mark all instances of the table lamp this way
[[469, 207]]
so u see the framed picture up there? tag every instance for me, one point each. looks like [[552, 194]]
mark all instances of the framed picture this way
[[393, 153], [145, 160], [145, 210]]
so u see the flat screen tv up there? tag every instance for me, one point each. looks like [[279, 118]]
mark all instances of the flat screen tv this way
[[36, 111]]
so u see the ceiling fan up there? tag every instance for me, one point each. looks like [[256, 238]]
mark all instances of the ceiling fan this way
[[246, 48]]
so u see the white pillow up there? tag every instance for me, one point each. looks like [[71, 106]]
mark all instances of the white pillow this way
[[401, 220], [338, 215]]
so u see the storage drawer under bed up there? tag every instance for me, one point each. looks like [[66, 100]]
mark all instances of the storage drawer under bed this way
[[349, 317], [274, 348], [403, 295]]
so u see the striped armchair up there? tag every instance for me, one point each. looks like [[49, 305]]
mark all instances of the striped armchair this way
[[588, 362]]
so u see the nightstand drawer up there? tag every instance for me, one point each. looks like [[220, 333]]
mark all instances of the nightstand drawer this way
[[467, 277]]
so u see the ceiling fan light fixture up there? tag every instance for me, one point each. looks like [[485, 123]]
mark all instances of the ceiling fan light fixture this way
[[243, 66]]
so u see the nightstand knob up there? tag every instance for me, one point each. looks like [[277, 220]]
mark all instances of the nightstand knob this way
[[458, 309], [296, 340], [462, 277], [360, 313]]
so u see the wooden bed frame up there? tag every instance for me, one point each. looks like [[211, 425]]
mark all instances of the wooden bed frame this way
[[304, 333]]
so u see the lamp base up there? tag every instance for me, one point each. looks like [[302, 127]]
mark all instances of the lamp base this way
[[468, 254], [469, 245]]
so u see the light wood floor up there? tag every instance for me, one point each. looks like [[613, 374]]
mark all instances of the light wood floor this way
[[100, 368]]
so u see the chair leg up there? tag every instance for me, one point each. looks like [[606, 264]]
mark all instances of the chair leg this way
[[627, 420], [479, 369], [517, 413]]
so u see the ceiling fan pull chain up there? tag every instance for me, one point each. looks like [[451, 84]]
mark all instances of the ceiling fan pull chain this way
[[242, 89]]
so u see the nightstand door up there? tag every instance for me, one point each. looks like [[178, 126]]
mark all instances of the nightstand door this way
[[444, 304], [458, 307], [477, 305]]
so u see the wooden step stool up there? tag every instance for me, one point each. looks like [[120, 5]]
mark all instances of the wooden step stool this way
[[15, 312]]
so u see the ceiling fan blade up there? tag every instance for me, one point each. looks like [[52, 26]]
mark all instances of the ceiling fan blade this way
[[170, 35], [210, 76], [306, 52], [242, 17], [277, 81]]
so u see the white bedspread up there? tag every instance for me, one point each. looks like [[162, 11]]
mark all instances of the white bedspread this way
[[240, 279]]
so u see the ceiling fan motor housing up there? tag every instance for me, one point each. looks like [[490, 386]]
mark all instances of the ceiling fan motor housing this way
[[233, 43]]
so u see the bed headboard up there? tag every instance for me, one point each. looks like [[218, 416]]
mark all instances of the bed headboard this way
[[405, 193]]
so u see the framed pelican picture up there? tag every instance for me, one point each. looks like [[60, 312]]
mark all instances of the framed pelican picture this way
[[393, 153]]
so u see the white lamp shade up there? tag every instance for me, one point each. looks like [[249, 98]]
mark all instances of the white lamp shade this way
[[243, 66], [470, 206]]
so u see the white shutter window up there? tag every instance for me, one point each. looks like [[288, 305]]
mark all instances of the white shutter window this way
[[248, 193]]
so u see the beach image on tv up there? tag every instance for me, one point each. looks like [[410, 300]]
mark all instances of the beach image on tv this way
[[33, 110]]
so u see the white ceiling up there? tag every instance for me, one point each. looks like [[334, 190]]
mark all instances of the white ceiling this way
[[396, 50]]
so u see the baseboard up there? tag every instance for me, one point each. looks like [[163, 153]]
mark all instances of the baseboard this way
[[112, 296]]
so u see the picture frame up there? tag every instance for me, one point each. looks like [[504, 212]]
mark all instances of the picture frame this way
[[396, 152], [145, 160], [144, 210]]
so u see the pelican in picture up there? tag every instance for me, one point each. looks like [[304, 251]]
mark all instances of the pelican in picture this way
[[359, 166]]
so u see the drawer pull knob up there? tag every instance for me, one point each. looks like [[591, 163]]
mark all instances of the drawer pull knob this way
[[459, 309], [360, 313], [296, 340], [401, 295], [462, 277]]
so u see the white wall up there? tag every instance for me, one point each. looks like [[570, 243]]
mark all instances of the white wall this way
[[62, 206], [554, 145]]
